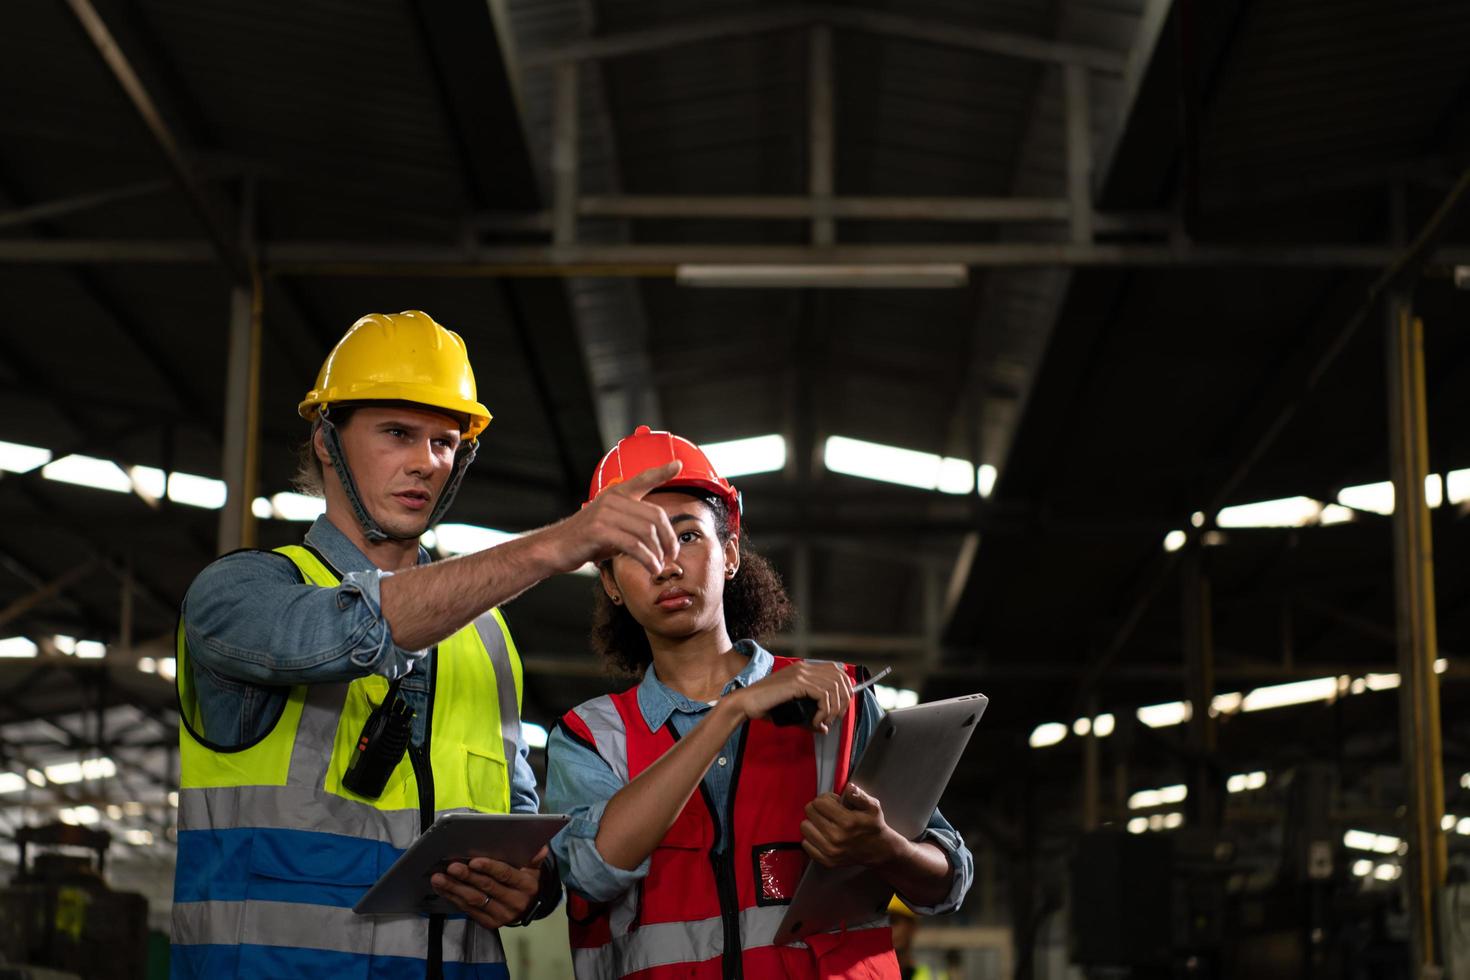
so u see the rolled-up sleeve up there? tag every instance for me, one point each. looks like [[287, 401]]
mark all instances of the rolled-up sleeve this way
[[250, 617], [939, 832], [580, 783]]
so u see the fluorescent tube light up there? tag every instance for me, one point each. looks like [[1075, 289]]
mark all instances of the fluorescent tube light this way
[[17, 647], [1242, 781], [1286, 512], [289, 506], [889, 698], [742, 457], [1296, 692], [1048, 733], [1145, 799], [1164, 715], [79, 815], [74, 772], [929, 275], [196, 491], [463, 539], [1378, 498], [18, 458], [985, 479], [893, 464], [534, 734], [87, 471], [1457, 482]]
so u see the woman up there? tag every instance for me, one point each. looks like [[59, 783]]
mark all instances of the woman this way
[[693, 814]]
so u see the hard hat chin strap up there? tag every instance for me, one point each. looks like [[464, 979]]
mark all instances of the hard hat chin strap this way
[[371, 529], [462, 462]]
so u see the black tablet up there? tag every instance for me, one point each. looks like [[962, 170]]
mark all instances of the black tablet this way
[[510, 837]]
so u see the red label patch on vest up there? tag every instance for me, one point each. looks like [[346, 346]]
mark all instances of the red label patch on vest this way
[[778, 868]]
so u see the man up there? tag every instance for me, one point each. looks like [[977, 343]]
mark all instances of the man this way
[[303, 672]]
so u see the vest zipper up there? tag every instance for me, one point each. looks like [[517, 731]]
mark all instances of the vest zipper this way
[[733, 959], [423, 773]]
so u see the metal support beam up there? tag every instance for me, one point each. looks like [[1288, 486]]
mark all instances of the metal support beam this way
[[47, 592], [219, 231], [565, 156], [241, 461], [802, 638], [801, 575], [81, 202], [765, 207], [1147, 40], [1091, 772], [1079, 152], [350, 259], [1419, 718], [1406, 265], [1199, 682], [821, 126], [943, 33]]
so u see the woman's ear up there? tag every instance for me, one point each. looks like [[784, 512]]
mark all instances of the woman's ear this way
[[732, 555], [610, 584]]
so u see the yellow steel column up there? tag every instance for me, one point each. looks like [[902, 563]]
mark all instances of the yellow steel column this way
[[1419, 722]]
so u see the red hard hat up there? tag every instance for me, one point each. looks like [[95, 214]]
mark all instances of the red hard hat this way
[[646, 449]]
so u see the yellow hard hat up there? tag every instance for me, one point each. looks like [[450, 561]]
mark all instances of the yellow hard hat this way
[[401, 357]]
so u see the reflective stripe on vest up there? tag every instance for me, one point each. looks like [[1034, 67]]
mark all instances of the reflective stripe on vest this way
[[671, 922], [273, 851], [335, 930]]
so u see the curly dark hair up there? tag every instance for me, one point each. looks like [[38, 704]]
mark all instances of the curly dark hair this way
[[756, 606]]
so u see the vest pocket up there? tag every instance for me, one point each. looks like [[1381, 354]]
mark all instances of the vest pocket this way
[[311, 869], [487, 780]]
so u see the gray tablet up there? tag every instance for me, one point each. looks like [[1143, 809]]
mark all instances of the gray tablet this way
[[510, 837], [906, 765]]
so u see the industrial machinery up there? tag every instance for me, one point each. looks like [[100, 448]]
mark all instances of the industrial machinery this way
[[1241, 899], [59, 913]]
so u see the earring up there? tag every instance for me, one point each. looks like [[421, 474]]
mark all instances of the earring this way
[[617, 600], [730, 571]]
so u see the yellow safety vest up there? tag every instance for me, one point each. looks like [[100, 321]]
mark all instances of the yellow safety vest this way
[[273, 851]]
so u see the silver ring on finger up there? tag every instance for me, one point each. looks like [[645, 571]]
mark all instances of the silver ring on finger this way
[[486, 902]]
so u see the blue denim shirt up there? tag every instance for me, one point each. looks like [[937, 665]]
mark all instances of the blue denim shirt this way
[[254, 630], [580, 783]]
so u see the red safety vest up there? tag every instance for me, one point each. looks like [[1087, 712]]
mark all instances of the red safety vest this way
[[705, 915]]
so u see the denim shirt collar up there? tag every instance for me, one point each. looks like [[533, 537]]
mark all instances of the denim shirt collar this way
[[657, 700], [340, 552]]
